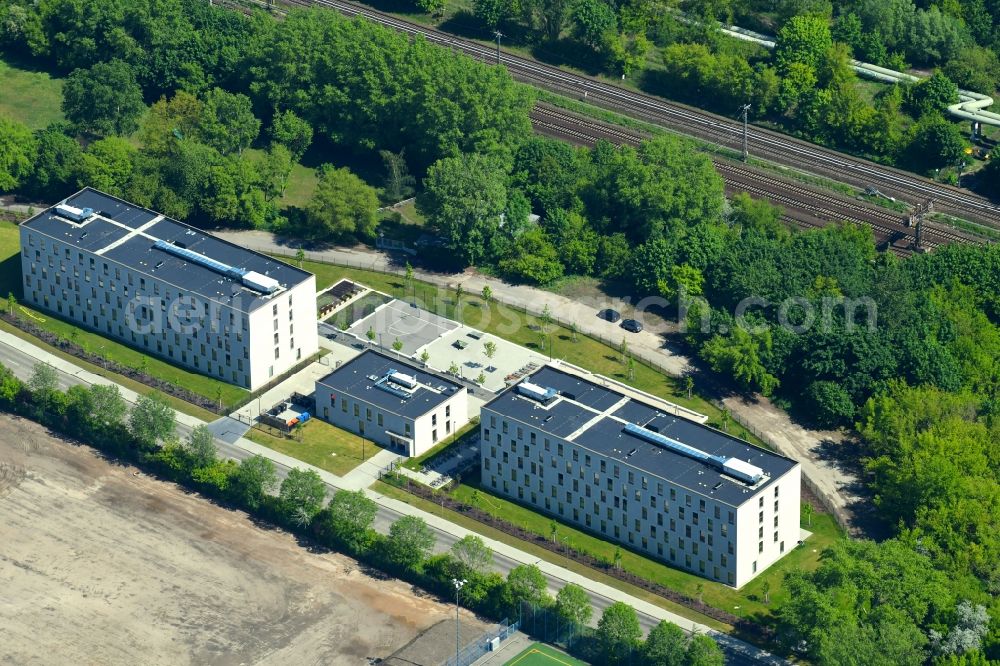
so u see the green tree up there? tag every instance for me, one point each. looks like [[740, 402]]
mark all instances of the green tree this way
[[703, 651], [424, 357], [807, 513], [593, 21], [105, 99], [490, 349], [17, 153], [342, 205], [975, 68], [398, 181], [255, 478], [292, 132], [170, 122], [526, 584], [433, 7], [665, 645], [481, 378], [453, 368], [495, 12], [228, 123], [11, 303], [410, 541], [573, 604], [533, 258], [932, 95], [463, 198], [740, 357], [370, 334], [618, 633], [43, 382], [351, 516], [201, 447], [487, 294], [804, 39], [275, 170], [301, 494], [152, 420], [831, 404], [549, 16], [57, 162], [397, 345], [107, 165], [935, 142], [472, 554]]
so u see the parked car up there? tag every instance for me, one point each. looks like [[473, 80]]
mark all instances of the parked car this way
[[609, 315], [632, 325]]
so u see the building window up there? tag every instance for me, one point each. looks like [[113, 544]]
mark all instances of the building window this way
[[277, 353], [368, 414], [434, 420], [380, 418], [357, 409], [434, 435], [760, 546]]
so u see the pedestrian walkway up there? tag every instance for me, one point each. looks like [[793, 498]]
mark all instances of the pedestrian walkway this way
[[369, 471], [557, 575], [303, 381]]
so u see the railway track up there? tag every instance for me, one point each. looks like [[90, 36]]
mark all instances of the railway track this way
[[803, 205], [714, 128]]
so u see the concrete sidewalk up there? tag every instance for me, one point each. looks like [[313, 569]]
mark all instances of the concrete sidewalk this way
[[554, 572]]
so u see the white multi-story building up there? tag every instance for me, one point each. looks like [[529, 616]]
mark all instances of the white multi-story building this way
[[631, 469], [392, 402], [169, 289]]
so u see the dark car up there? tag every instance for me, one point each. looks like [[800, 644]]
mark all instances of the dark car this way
[[632, 325], [609, 315]]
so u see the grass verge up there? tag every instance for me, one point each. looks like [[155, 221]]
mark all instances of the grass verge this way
[[321, 445], [544, 554], [131, 384], [746, 602]]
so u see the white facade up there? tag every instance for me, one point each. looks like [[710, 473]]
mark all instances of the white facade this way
[[727, 537], [246, 340], [350, 399]]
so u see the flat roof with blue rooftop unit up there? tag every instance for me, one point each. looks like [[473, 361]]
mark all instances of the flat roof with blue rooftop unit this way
[[620, 426]]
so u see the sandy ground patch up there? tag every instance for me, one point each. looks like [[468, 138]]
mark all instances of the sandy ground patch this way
[[101, 566]]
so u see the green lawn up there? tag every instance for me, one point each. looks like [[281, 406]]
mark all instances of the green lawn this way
[[746, 602], [301, 184], [544, 554], [322, 445], [33, 98], [408, 212], [540, 654]]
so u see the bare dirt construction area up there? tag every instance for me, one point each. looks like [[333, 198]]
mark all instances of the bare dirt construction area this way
[[99, 565]]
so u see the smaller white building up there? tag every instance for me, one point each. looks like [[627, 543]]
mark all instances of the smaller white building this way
[[392, 402]]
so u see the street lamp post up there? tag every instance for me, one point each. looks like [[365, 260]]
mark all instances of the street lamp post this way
[[459, 584]]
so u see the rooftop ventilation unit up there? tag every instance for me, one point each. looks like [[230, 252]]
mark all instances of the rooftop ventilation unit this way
[[74, 214], [250, 279], [734, 467], [398, 384], [409, 381], [536, 392], [262, 283]]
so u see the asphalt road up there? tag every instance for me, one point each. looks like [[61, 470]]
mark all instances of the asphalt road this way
[[21, 363]]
